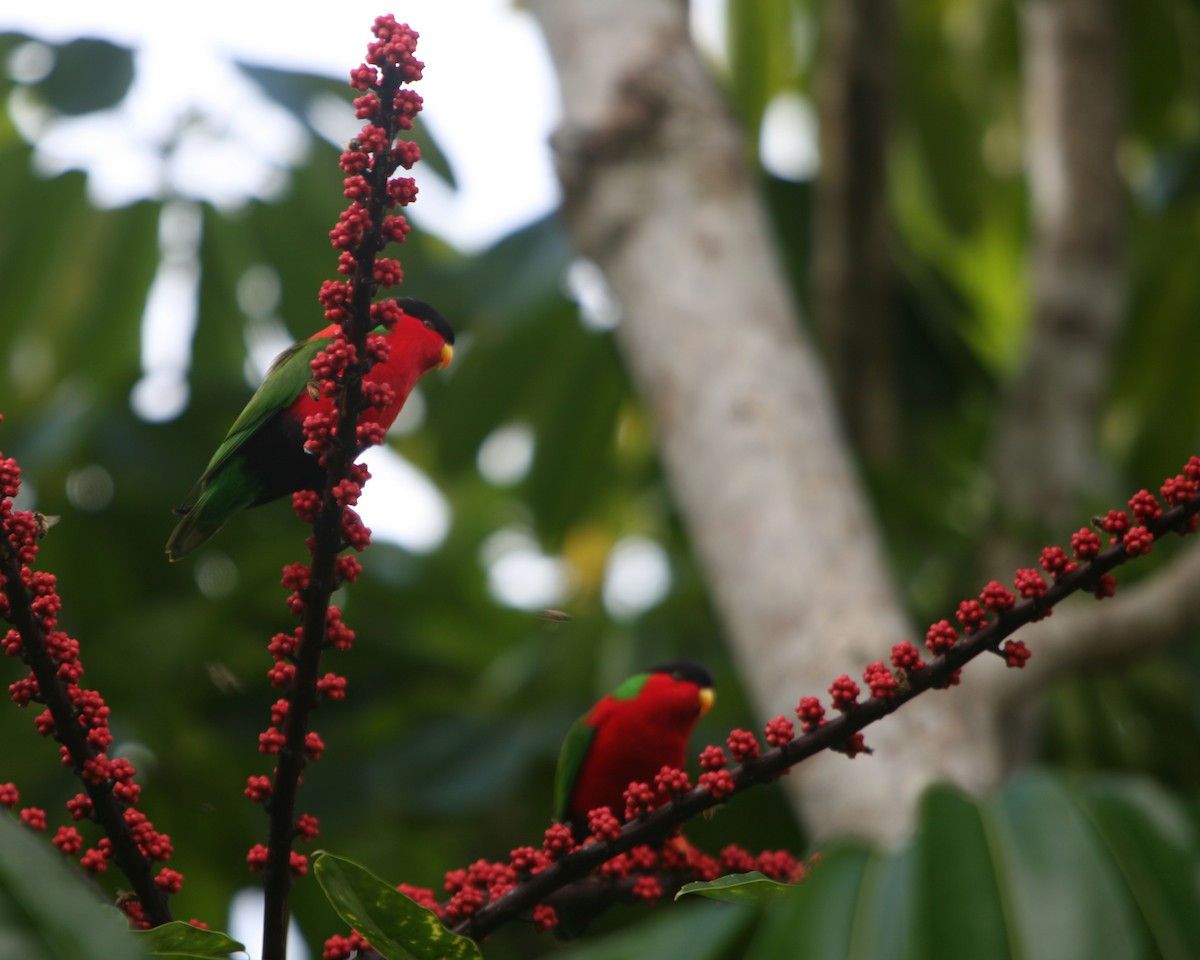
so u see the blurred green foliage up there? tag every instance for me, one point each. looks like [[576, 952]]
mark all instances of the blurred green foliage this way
[[444, 749]]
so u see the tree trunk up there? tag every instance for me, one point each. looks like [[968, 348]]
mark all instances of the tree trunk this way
[[658, 194], [852, 284], [1045, 453]]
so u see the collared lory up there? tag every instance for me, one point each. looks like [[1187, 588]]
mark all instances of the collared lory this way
[[263, 458], [631, 734]]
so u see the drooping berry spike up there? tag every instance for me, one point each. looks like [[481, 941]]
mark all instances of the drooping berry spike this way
[[263, 457]]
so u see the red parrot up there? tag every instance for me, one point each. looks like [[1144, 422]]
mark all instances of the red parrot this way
[[263, 458], [631, 734]]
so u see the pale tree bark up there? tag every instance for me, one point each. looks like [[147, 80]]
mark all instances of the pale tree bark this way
[[1045, 455], [1045, 452], [658, 194]]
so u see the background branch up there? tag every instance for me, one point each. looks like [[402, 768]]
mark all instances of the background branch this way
[[658, 193], [853, 291], [832, 735], [107, 811], [1073, 82]]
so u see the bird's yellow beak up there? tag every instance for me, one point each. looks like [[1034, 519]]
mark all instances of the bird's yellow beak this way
[[447, 356], [707, 696]]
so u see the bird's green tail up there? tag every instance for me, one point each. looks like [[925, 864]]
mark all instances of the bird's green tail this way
[[217, 501]]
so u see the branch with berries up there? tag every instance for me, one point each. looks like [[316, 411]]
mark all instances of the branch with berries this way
[[642, 857], [78, 719], [336, 435]]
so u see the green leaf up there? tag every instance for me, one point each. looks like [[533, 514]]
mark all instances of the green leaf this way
[[1155, 846], [697, 931], [45, 909], [179, 939], [88, 75], [395, 926], [820, 920], [753, 887], [959, 909], [1062, 897]]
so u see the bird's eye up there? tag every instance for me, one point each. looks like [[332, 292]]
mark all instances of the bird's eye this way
[[428, 323]]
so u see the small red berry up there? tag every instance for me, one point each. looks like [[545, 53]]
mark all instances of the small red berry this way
[[1145, 506], [843, 693], [780, 730], [971, 615], [996, 597], [1016, 653], [880, 681], [1138, 541], [906, 657], [1029, 583], [811, 713], [743, 745], [940, 637]]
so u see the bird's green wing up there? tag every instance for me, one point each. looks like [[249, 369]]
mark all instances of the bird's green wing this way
[[570, 761], [288, 375]]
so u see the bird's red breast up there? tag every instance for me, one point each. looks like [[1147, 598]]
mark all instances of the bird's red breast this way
[[635, 739], [414, 350]]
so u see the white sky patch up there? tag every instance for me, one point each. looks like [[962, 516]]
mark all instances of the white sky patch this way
[[637, 578], [506, 454], [588, 287], [245, 925], [169, 319], [519, 574], [494, 130], [266, 338], [787, 142], [707, 21], [412, 414], [30, 62], [400, 504]]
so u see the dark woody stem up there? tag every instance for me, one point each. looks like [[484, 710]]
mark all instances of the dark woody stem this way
[[328, 542], [656, 826], [107, 810]]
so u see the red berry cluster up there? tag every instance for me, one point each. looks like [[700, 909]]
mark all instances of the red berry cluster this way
[[370, 221], [78, 718], [364, 228], [646, 873]]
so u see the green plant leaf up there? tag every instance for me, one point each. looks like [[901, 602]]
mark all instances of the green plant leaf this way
[[753, 887], [1155, 847], [89, 75], [181, 939], [1063, 897], [959, 910], [694, 931], [395, 926], [45, 909]]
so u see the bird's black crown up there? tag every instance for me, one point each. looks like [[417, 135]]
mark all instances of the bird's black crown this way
[[685, 669], [424, 312]]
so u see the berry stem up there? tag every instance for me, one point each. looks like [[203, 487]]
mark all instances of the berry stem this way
[[655, 826], [328, 526], [107, 810]]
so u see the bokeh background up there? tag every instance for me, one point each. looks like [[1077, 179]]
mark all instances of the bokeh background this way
[[166, 190]]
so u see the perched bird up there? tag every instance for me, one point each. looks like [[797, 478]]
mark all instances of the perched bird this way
[[631, 734], [263, 458]]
